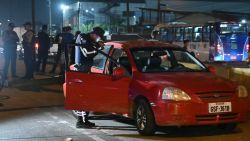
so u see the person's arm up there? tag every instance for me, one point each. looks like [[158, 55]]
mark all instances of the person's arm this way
[[16, 37], [5, 36], [78, 51]]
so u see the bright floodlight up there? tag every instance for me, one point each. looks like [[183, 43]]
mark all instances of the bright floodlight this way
[[86, 10], [243, 21], [64, 8], [92, 9]]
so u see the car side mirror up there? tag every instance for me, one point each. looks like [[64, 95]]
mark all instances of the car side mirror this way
[[118, 73], [212, 69]]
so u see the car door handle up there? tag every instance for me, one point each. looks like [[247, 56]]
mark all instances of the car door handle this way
[[76, 81]]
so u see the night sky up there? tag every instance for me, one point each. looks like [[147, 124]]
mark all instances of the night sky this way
[[19, 11]]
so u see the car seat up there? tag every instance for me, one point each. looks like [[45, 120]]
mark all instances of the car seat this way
[[154, 64], [124, 62]]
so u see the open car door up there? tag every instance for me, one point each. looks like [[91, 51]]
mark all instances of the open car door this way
[[96, 92]]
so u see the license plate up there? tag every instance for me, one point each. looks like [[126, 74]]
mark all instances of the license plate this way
[[219, 107], [233, 57]]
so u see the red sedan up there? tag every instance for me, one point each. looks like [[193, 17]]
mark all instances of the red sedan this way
[[157, 84]]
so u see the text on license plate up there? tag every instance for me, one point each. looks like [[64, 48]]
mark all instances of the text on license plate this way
[[219, 107]]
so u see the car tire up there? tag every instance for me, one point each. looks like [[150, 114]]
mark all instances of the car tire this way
[[228, 127], [144, 118]]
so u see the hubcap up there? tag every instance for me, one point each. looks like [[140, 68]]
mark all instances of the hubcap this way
[[141, 118]]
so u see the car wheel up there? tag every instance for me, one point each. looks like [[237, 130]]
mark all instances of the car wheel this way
[[229, 127], [144, 118]]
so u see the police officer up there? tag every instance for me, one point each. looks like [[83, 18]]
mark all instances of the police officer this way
[[67, 39], [10, 40], [29, 50], [58, 40], [84, 58], [43, 50]]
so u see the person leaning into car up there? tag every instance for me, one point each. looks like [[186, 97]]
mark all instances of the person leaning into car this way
[[84, 57]]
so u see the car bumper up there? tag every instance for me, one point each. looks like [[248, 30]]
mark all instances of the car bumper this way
[[192, 113]]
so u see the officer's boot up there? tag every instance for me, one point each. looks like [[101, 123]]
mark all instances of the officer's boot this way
[[87, 123], [79, 122]]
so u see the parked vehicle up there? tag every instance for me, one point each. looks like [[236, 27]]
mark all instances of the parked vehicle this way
[[213, 41], [157, 84]]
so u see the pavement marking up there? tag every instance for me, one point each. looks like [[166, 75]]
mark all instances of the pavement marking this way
[[94, 137]]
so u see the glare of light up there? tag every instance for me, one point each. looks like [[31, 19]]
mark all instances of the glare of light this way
[[92, 9], [37, 45], [0, 24], [243, 21], [64, 8], [134, 16], [86, 10], [8, 20]]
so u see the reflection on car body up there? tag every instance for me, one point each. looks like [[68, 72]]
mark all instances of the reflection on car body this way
[[157, 84]]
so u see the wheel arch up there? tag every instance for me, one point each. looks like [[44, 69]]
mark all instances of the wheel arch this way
[[136, 100]]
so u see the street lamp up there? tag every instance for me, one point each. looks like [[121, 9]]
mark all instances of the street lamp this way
[[64, 8]]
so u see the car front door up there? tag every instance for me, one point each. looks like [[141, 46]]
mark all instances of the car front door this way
[[97, 92]]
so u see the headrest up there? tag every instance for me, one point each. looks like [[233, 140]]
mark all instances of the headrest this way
[[154, 61], [123, 61]]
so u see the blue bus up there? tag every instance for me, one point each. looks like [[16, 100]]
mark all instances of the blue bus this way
[[213, 41]]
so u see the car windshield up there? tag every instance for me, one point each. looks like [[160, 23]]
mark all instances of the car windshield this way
[[166, 60]]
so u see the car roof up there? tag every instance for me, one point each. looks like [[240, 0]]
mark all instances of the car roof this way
[[141, 44]]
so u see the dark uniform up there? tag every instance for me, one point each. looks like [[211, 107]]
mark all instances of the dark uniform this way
[[29, 52], [58, 40], [67, 39], [43, 50], [10, 40], [84, 58]]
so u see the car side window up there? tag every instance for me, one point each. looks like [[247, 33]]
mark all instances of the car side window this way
[[99, 62], [121, 57], [100, 59]]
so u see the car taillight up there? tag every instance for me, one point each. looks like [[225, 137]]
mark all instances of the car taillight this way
[[36, 45]]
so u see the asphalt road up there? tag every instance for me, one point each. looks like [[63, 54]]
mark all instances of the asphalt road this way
[[57, 124]]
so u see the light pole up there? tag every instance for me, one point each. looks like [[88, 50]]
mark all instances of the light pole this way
[[64, 8], [50, 19], [79, 12]]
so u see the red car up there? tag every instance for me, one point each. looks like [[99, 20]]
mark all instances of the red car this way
[[157, 84]]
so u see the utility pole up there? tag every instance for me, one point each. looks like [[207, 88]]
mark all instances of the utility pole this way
[[33, 16], [158, 11], [79, 12], [50, 17], [128, 15]]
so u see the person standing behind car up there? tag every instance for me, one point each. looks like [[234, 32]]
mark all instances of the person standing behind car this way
[[67, 39], [58, 40], [43, 50], [84, 58], [10, 40], [29, 50]]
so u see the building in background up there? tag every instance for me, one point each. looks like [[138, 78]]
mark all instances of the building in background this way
[[110, 14]]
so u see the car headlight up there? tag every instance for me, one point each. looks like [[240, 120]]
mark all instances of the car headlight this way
[[242, 91], [172, 93]]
